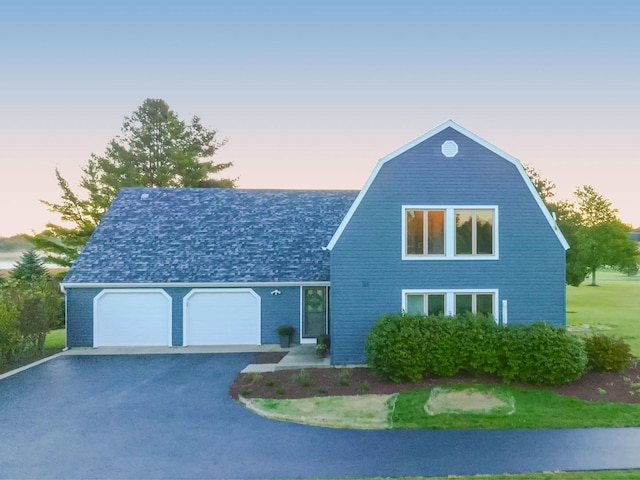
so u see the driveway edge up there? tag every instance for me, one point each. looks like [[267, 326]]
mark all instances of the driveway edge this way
[[27, 367]]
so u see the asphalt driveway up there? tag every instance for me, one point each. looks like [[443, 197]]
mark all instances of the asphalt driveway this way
[[169, 416]]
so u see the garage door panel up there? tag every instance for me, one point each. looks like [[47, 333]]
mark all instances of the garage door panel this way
[[222, 317], [132, 318]]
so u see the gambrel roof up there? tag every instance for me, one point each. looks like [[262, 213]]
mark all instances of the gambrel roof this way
[[209, 236], [454, 126]]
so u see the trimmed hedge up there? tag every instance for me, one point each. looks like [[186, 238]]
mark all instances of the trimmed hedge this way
[[607, 354], [542, 354], [408, 347], [397, 346]]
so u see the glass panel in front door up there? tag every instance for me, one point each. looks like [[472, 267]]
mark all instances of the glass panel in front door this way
[[314, 321]]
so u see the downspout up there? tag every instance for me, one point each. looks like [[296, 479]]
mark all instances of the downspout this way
[[66, 330], [504, 312]]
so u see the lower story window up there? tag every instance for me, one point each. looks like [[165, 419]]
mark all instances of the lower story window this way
[[450, 302], [425, 303], [474, 302]]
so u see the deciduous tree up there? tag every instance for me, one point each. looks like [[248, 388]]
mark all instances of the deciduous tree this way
[[591, 226], [603, 238]]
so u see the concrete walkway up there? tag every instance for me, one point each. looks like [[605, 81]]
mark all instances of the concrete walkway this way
[[298, 356]]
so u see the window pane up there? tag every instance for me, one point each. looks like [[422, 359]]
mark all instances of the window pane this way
[[463, 303], [484, 220], [435, 304], [484, 303], [436, 232], [464, 229], [415, 232], [415, 304]]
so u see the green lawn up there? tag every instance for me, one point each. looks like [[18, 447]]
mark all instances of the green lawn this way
[[605, 475], [614, 304], [55, 339], [534, 408]]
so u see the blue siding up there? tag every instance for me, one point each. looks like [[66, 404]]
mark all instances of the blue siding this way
[[275, 310], [80, 316], [279, 310], [368, 274]]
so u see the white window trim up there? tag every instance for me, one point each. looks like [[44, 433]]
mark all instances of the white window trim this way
[[450, 233], [450, 299]]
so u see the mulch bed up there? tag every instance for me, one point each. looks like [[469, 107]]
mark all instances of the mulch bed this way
[[610, 387]]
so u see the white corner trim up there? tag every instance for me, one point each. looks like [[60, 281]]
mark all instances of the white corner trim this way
[[194, 285], [426, 136]]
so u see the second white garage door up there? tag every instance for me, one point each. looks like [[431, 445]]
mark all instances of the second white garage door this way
[[222, 317]]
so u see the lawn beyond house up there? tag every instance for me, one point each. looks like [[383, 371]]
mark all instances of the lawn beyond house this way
[[56, 339], [612, 308]]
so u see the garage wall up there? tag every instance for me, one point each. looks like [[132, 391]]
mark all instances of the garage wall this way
[[177, 294], [276, 310], [80, 316]]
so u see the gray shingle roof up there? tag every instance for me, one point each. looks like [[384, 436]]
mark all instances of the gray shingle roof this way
[[193, 235]]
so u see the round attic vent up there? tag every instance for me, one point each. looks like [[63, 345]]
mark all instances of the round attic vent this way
[[449, 149]]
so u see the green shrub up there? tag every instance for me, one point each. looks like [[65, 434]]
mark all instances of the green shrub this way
[[607, 354], [443, 338], [406, 347], [10, 338], [542, 354], [396, 347], [479, 338]]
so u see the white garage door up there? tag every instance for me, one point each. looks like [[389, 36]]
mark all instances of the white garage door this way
[[132, 318], [222, 317]]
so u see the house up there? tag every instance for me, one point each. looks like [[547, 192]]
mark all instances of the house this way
[[447, 223]]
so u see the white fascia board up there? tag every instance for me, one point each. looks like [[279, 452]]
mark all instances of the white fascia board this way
[[374, 174], [476, 139], [196, 285], [523, 174]]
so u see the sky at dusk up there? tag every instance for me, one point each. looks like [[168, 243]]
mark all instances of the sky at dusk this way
[[310, 95]]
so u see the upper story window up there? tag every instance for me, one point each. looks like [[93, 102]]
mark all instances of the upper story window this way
[[450, 232], [474, 232], [425, 232]]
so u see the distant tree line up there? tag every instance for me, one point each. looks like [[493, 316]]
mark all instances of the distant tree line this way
[[595, 233], [17, 243]]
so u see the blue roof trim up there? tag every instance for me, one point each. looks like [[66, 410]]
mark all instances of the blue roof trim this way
[[192, 235]]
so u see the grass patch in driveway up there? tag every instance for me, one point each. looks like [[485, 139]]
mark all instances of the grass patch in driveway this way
[[468, 401], [354, 411]]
